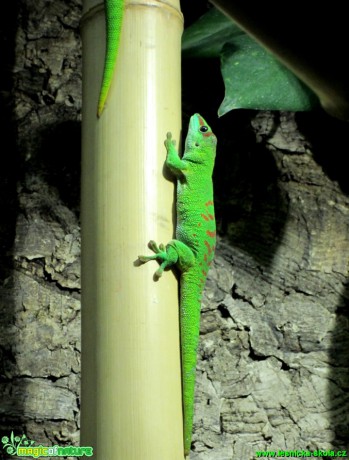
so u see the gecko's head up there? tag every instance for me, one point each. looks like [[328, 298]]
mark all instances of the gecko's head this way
[[200, 145]]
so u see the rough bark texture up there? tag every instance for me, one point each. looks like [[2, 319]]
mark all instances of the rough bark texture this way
[[39, 233], [273, 365], [275, 335]]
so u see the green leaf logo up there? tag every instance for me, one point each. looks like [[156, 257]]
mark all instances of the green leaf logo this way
[[11, 444]]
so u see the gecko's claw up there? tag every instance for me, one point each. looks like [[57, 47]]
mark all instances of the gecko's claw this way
[[144, 259], [154, 247], [159, 272]]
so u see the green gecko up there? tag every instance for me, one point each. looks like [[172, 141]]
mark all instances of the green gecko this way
[[114, 13], [193, 249]]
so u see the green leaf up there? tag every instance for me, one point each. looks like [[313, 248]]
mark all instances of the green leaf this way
[[207, 36], [253, 78]]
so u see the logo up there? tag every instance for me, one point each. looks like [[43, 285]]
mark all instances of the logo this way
[[24, 447]]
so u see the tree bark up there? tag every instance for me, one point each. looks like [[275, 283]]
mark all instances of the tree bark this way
[[273, 373]]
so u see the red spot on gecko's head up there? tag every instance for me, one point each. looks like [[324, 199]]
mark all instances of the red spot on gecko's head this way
[[204, 128], [198, 123]]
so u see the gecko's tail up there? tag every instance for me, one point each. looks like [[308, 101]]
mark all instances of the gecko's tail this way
[[190, 303], [114, 12]]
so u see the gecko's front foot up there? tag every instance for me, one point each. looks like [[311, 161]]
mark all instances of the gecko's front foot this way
[[169, 142]]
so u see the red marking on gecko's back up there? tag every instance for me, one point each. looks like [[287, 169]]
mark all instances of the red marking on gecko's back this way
[[209, 203], [209, 247], [207, 216], [211, 234]]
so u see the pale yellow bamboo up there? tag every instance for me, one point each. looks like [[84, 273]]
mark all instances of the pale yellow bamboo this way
[[131, 383]]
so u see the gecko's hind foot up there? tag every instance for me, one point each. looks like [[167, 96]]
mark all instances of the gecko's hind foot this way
[[160, 252], [165, 255], [155, 248]]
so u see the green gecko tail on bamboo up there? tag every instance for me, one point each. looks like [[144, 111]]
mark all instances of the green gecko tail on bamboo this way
[[114, 12], [193, 249]]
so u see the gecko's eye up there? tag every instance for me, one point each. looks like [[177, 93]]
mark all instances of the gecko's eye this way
[[203, 129]]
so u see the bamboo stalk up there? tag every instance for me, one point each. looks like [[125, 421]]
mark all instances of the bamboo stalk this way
[[131, 386]]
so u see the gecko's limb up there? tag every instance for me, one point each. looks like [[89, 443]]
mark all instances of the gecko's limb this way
[[175, 252], [173, 161], [167, 256], [169, 142]]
